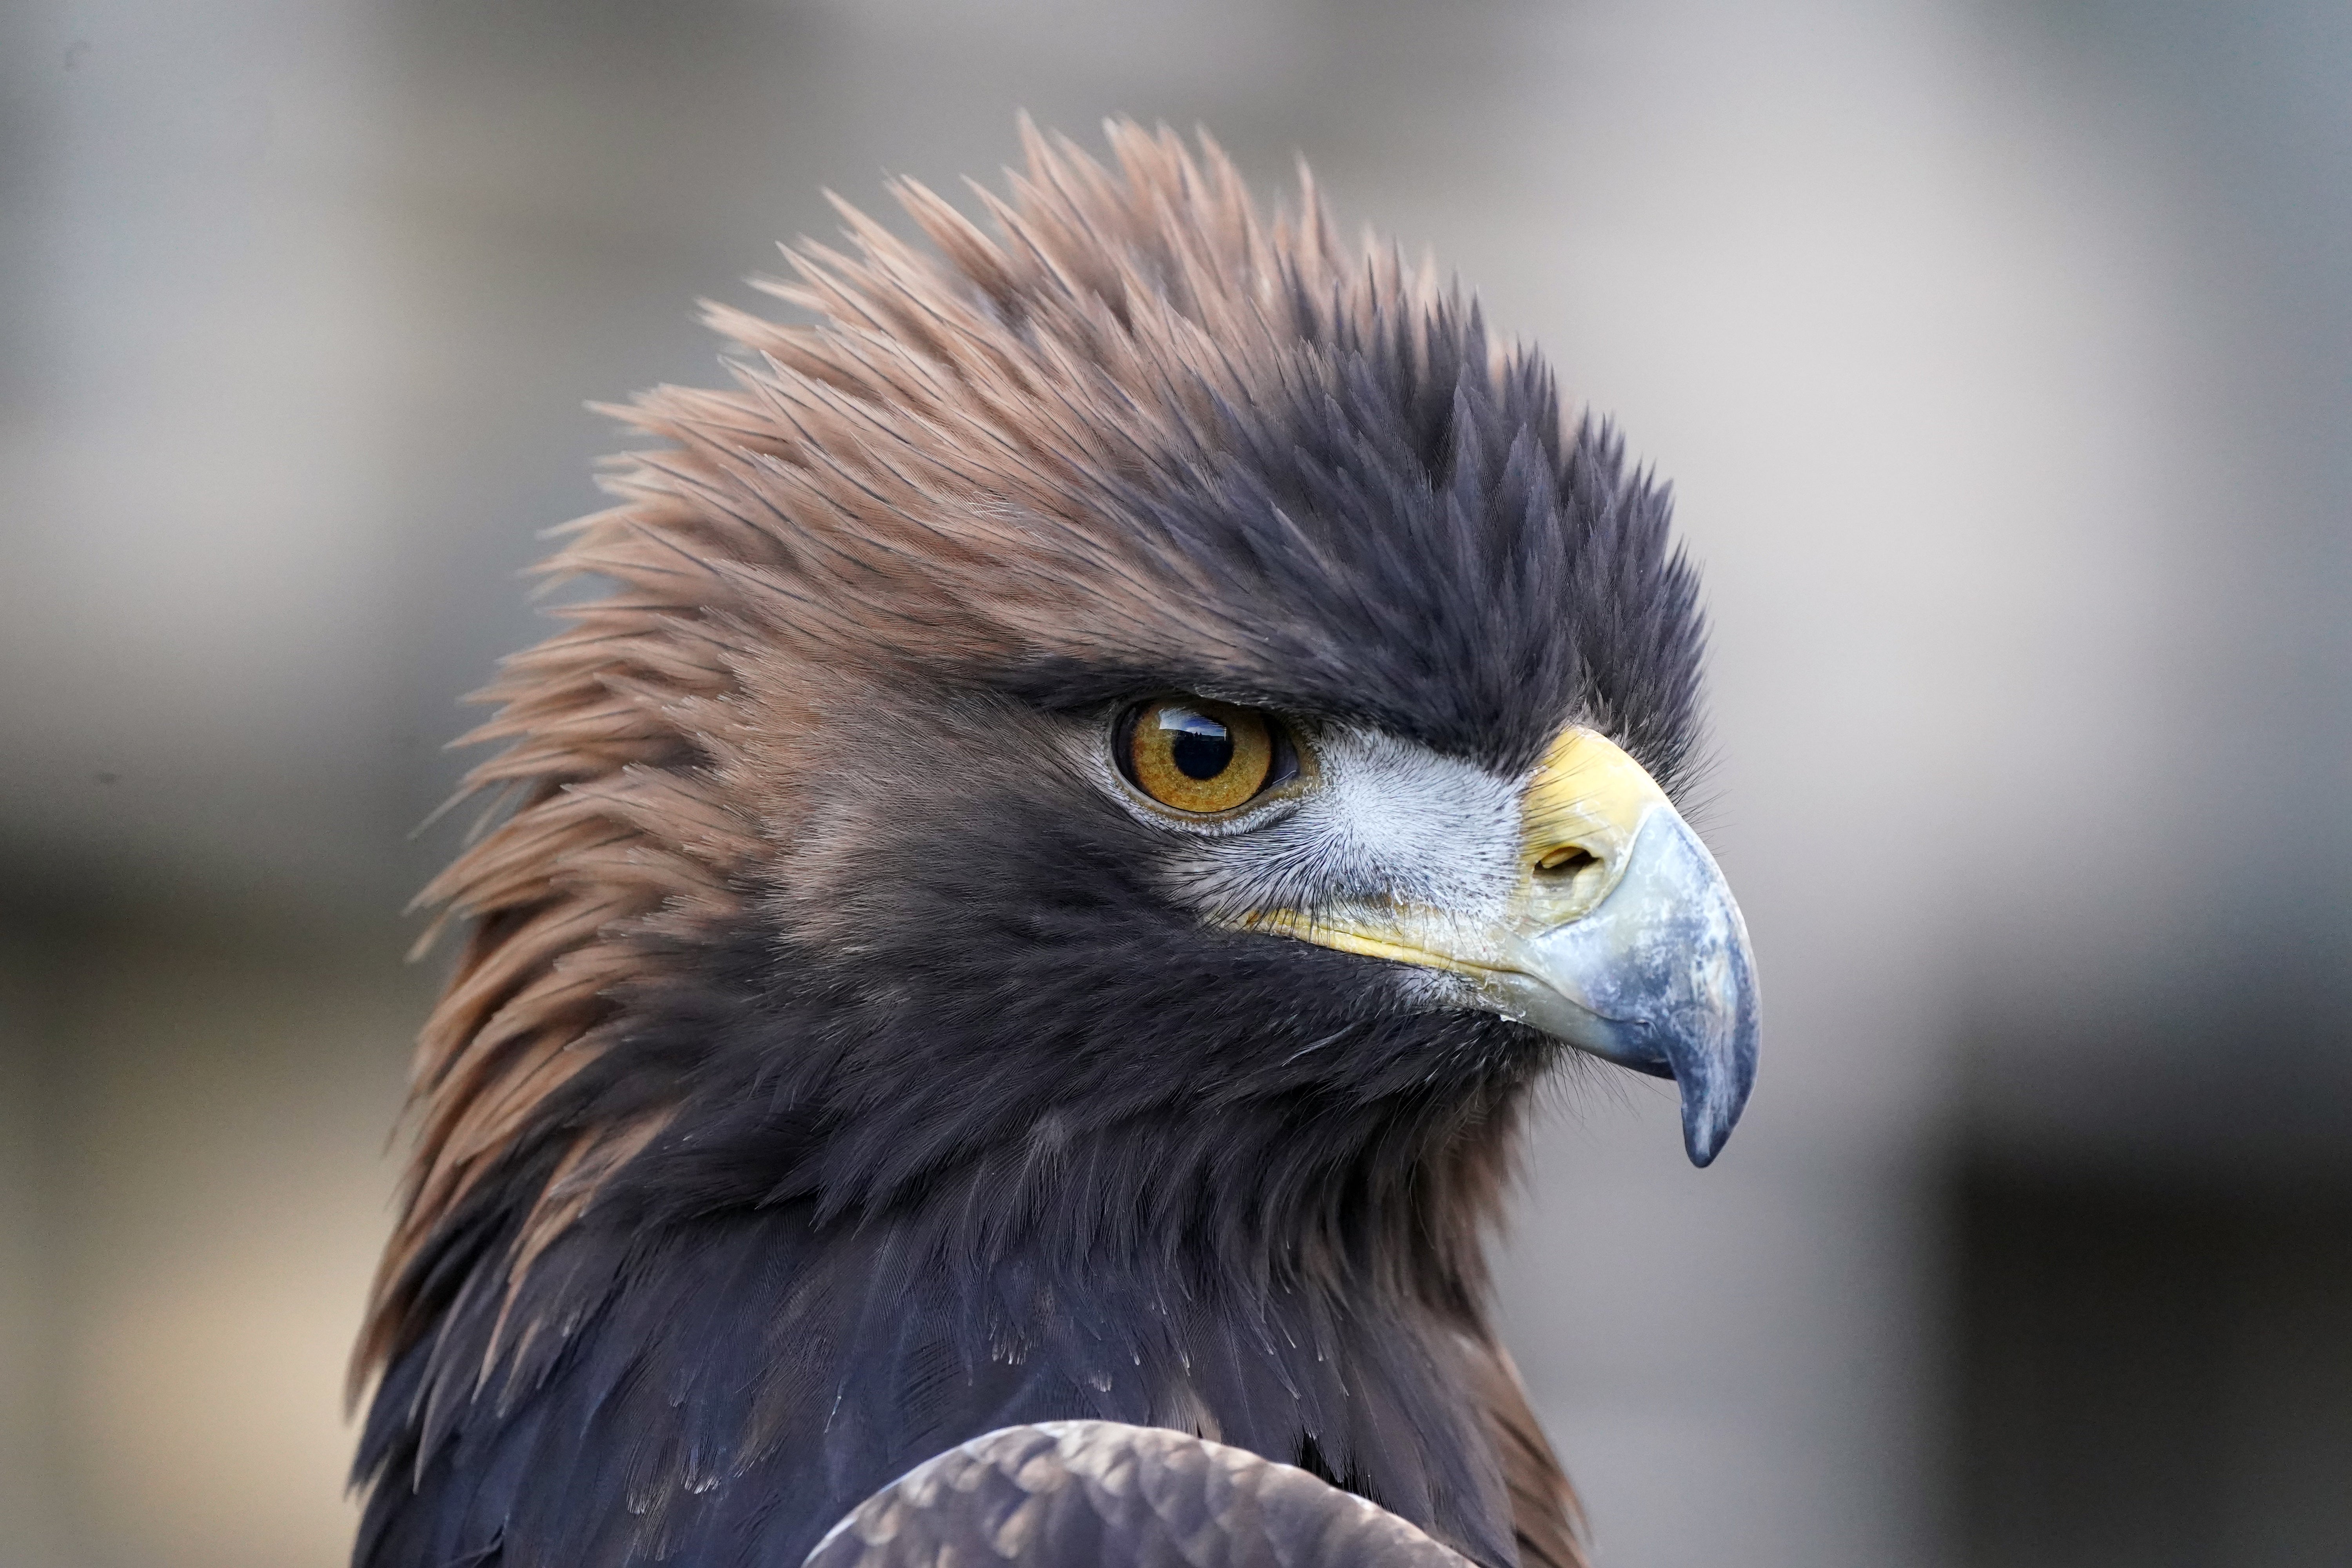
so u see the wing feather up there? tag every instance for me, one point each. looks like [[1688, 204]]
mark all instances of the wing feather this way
[[1104, 1494]]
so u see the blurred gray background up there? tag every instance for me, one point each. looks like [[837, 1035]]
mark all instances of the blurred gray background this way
[[1999, 352]]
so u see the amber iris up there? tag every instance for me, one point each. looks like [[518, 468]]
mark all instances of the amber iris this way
[[1195, 756]]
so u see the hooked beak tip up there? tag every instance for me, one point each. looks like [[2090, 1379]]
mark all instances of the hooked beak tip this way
[[1663, 980], [1705, 1129]]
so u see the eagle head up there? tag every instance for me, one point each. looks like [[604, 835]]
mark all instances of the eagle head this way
[[1117, 749]]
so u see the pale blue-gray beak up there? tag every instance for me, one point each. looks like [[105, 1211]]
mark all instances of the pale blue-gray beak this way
[[1657, 976], [1621, 938]]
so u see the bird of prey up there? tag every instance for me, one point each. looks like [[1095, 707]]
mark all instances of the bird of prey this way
[[1021, 917]]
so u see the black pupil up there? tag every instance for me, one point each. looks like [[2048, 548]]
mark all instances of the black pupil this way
[[1202, 748]]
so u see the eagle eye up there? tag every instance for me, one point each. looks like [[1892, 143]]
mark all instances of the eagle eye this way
[[1202, 758]]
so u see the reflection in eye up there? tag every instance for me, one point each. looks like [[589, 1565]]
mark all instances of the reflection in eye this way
[[1200, 747]]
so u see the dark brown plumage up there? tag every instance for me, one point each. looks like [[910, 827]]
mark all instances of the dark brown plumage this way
[[834, 1068]]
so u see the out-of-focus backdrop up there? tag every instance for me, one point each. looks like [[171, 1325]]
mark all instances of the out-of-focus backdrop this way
[[1999, 352]]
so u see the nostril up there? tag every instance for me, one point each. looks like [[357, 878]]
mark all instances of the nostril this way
[[1565, 861]]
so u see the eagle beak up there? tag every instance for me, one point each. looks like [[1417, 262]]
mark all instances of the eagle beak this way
[[1624, 940], [1620, 938]]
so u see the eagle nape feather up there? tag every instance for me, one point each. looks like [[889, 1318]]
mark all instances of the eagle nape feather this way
[[1021, 914]]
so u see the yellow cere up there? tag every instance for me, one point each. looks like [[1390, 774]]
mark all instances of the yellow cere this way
[[1579, 816]]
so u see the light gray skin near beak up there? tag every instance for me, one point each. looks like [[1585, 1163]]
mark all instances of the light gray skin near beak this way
[[1657, 977]]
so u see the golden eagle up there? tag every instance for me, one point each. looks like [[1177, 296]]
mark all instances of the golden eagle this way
[[1018, 931]]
